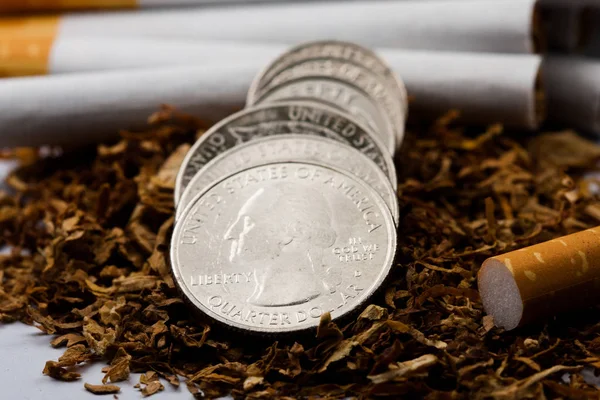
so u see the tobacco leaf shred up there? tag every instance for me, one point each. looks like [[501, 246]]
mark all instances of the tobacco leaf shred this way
[[149, 384], [89, 236], [102, 389]]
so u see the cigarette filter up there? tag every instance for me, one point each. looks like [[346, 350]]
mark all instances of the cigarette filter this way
[[26, 44], [542, 280]]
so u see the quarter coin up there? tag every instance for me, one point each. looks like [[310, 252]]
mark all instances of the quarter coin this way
[[297, 148], [341, 95], [271, 248], [354, 75], [332, 49], [282, 118]]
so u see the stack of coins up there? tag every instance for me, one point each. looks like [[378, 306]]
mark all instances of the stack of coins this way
[[288, 209]]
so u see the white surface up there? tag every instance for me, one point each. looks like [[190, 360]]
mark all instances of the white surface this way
[[468, 25]]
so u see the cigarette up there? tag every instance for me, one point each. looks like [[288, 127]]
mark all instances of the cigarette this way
[[49, 5], [485, 88], [572, 87], [51, 110], [540, 281], [26, 44], [92, 54], [10, 6], [505, 26], [79, 109]]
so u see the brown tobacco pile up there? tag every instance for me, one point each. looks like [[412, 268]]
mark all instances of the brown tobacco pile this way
[[90, 235]]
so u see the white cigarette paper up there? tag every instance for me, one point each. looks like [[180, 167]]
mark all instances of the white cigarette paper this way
[[89, 107], [466, 25], [99, 54], [484, 87], [572, 88], [78, 109]]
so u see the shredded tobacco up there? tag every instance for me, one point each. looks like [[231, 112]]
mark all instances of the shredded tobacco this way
[[89, 235], [101, 389]]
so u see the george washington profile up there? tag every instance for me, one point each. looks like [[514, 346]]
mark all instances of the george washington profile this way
[[280, 233]]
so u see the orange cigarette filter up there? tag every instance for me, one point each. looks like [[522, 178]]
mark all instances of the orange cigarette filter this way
[[26, 44], [542, 280], [48, 5]]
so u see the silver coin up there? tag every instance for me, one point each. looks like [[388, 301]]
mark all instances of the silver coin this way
[[332, 49], [341, 95], [355, 75], [302, 148], [282, 118], [271, 248]]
